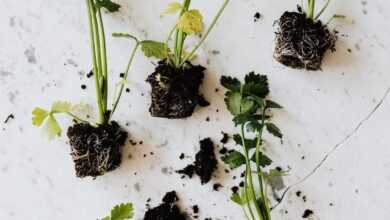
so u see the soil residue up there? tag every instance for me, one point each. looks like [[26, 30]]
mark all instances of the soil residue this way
[[301, 43], [96, 150], [175, 92], [168, 210], [205, 162], [307, 213]]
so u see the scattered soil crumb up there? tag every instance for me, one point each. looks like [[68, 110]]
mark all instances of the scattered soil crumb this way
[[167, 210], [217, 186], [9, 117], [257, 16], [307, 213], [90, 74], [205, 162], [225, 138]]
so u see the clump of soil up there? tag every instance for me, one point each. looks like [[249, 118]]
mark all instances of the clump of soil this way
[[205, 162], [96, 150], [168, 210], [301, 43], [175, 92], [307, 213]]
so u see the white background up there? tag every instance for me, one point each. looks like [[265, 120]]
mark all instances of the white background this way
[[44, 55]]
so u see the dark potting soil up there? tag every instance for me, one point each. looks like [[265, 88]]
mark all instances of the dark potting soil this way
[[301, 43], [168, 210], [205, 162], [96, 150], [175, 92], [307, 213]]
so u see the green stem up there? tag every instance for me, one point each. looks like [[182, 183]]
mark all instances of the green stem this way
[[167, 42], [214, 22], [267, 215], [104, 69], [133, 53], [248, 175], [95, 56], [80, 120], [180, 36], [311, 8]]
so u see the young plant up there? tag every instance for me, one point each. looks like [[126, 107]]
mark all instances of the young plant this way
[[96, 146], [250, 108], [302, 39], [121, 212], [175, 82]]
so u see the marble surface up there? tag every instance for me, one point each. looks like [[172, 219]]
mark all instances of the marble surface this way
[[341, 112]]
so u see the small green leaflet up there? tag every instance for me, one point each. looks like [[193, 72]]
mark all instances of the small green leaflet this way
[[249, 143], [264, 160], [275, 173], [233, 102], [61, 107], [231, 83], [173, 8], [107, 4], [191, 22], [274, 130], [39, 115], [272, 104], [234, 159], [52, 128], [154, 49], [121, 212]]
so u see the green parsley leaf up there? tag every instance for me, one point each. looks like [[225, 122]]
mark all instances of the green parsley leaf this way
[[272, 104], [233, 102], [191, 22], [173, 8], [39, 115], [274, 130], [121, 212], [107, 4], [256, 84], [154, 49], [264, 160], [231, 83], [52, 129], [234, 159], [249, 143]]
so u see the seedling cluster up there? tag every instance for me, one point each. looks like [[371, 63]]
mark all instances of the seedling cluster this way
[[250, 108]]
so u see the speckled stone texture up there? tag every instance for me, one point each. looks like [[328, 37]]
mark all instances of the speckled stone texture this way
[[45, 56]]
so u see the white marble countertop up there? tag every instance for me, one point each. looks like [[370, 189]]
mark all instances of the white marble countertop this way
[[44, 55]]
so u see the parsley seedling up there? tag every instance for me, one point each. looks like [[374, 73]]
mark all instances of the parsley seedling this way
[[248, 104], [100, 73], [190, 22]]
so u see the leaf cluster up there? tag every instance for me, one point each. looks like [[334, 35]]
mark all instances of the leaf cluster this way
[[190, 22], [47, 118]]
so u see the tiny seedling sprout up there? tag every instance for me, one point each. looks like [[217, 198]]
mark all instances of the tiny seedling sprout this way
[[100, 72]]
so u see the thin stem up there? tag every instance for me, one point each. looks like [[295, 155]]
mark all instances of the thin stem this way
[[104, 69], [95, 57], [311, 8], [79, 119], [167, 42], [181, 36], [248, 174], [116, 101], [258, 168], [214, 22]]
